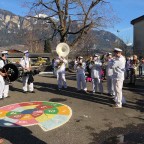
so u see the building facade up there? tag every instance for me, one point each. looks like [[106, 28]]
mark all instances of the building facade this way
[[138, 38]]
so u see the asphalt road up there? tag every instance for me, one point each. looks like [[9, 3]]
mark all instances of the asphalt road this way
[[93, 119]]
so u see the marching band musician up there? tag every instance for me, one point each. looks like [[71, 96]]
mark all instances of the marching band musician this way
[[109, 74], [118, 67], [76, 60], [60, 65], [4, 85], [25, 63], [80, 67], [95, 67], [104, 62]]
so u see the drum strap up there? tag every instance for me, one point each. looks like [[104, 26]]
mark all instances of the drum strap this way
[[4, 61]]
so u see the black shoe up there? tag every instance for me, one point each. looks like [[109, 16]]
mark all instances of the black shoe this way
[[32, 91], [85, 91], [25, 92], [78, 91], [7, 97]]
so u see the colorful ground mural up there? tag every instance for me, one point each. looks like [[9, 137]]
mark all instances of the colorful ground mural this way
[[48, 115]]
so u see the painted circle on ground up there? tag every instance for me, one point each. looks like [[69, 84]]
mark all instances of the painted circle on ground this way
[[48, 115]]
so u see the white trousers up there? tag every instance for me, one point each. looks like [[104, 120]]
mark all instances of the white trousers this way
[[25, 84], [97, 82], [143, 69], [110, 87], [4, 87], [81, 81], [118, 85], [61, 80]]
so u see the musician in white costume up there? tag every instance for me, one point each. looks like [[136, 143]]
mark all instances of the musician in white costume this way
[[118, 67], [109, 74], [25, 63], [60, 66], [80, 67], [95, 67], [4, 85]]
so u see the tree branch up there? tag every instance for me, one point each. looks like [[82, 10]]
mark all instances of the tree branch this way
[[80, 29]]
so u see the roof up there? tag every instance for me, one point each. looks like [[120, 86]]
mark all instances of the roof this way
[[11, 51], [137, 19], [14, 51]]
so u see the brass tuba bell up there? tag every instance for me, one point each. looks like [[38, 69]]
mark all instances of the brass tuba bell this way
[[62, 49]]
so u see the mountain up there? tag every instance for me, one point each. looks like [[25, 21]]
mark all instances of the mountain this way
[[106, 40], [16, 30], [11, 26]]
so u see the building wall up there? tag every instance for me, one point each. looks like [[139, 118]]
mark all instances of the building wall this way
[[139, 38]]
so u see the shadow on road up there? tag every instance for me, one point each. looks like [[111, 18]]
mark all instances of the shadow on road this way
[[18, 135], [15, 89], [69, 76], [97, 98], [129, 135], [136, 89], [72, 92]]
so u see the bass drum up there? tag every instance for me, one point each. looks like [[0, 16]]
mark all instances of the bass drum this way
[[12, 71]]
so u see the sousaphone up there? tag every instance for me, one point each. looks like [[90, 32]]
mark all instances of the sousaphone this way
[[62, 49]]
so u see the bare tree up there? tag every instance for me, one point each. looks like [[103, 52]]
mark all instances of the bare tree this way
[[33, 43], [35, 35], [71, 17]]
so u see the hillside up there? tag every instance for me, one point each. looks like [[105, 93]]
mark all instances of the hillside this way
[[17, 30]]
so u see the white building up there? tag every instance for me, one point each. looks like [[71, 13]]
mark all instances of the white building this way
[[138, 32]]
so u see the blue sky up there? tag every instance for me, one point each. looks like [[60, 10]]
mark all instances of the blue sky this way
[[126, 10]]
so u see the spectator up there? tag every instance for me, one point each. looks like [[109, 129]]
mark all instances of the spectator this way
[[134, 64], [128, 61]]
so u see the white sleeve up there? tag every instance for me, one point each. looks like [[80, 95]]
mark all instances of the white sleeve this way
[[65, 61], [84, 65], [75, 67], [1, 64], [56, 63], [119, 64], [22, 63]]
